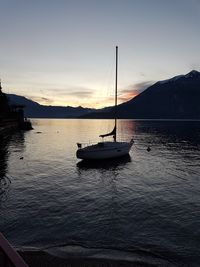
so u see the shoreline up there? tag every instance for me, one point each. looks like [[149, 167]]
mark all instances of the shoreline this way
[[73, 256]]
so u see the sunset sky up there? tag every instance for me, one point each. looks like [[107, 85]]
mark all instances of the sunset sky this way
[[61, 52]]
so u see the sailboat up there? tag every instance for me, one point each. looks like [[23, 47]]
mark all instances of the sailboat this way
[[106, 149]]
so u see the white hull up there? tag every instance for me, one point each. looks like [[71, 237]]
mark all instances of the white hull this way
[[104, 150]]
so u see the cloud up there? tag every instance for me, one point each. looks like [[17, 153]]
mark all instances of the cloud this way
[[77, 92], [133, 90], [41, 100], [81, 94], [78, 95]]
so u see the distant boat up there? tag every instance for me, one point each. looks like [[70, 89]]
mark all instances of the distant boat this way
[[106, 149]]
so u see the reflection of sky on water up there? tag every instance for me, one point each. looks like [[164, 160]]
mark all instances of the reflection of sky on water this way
[[142, 201], [111, 164]]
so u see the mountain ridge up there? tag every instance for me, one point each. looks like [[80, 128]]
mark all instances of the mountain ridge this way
[[174, 98], [33, 109]]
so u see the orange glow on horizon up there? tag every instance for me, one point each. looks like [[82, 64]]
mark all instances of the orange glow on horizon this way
[[89, 103]]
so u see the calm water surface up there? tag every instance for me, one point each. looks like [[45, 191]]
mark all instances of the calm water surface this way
[[147, 202]]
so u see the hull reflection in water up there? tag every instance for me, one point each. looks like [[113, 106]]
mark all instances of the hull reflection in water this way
[[104, 164]]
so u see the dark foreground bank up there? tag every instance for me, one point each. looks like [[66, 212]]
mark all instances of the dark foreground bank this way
[[78, 256]]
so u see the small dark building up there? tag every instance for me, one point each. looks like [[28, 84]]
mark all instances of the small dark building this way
[[12, 116]]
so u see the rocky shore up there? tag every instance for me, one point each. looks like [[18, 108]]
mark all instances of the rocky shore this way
[[44, 259], [76, 256]]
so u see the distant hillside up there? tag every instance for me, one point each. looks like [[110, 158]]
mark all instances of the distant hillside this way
[[175, 98], [35, 110]]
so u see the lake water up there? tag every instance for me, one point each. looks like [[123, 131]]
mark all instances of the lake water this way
[[147, 204]]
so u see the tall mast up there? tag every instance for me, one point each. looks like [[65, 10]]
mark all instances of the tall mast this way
[[115, 135]]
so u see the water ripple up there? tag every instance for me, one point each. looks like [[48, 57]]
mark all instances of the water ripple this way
[[149, 201]]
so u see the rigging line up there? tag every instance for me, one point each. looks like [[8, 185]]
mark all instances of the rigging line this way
[[105, 90]]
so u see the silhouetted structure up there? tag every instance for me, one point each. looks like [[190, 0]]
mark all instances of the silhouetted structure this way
[[11, 116], [4, 107]]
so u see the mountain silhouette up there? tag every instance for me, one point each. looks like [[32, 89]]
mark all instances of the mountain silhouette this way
[[175, 98], [34, 110]]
